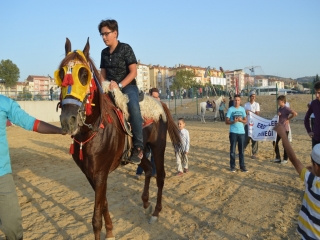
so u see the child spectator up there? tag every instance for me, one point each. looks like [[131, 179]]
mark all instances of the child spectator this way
[[184, 134], [285, 115], [309, 220]]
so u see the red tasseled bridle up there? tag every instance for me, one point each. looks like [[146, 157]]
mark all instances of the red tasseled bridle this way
[[92, 89], [68, 80]]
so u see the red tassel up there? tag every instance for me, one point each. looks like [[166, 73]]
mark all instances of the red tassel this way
[[101, 125], [71, 150], [80, 152], [88, 108], [68, 80]]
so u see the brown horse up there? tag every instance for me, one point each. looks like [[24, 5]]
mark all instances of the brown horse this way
[[99, 139]]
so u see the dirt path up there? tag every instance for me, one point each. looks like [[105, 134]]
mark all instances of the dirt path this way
[[209, 202]]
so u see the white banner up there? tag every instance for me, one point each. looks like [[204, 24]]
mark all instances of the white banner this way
[[261, 129]]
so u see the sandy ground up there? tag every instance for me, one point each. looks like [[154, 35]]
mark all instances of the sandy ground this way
[[209, 202]]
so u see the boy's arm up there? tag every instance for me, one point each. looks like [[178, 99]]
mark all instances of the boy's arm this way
[[287, 146]]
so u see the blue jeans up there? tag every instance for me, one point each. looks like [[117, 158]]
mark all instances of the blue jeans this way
[[135, 118], [140, 170], [234, 139]]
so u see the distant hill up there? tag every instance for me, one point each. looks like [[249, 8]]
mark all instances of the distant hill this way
[[300, 80], [306, 79]]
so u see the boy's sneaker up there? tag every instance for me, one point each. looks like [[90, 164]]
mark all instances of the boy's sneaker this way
[[138, 176], [179, 174], [185, 170], [136, 156], [243, 169], [277, 160], [232, 170], [284, 161]]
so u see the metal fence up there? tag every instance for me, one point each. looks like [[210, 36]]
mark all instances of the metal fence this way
[[30, 96]]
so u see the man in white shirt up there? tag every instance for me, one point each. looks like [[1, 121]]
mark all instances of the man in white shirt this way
[[254, 107]]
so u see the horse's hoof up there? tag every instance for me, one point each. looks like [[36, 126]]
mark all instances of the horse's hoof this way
[[148, 210], [153, 219]]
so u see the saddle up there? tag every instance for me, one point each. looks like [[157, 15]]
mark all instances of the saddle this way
[[126, 126]]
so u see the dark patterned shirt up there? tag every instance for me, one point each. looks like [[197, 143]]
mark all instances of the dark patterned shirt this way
[[117, 63]]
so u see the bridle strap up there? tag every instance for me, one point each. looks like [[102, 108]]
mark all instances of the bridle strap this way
[[71, 101]]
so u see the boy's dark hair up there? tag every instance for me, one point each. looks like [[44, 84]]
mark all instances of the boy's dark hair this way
[[317, 85], [181, 119], [237, 95], [282, 98], [109, 23], [152, 90]]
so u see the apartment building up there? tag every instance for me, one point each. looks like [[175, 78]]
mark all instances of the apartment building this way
[[40, 85]]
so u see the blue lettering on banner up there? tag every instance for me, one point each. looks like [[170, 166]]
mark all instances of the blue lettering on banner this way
[[266, 133], [263, 126]]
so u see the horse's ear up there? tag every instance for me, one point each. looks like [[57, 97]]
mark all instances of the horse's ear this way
[[86, 49], [67, 46]]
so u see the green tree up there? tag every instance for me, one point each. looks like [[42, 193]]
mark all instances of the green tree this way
[[184, 79], [317, 78], [9, 73]]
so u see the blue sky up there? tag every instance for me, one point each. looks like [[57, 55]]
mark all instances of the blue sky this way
[[280, 36]]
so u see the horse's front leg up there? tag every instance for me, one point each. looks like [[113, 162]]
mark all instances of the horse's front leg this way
[[100, 206], [107, 219]]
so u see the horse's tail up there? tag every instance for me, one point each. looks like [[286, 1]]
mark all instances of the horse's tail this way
[[174, 133]]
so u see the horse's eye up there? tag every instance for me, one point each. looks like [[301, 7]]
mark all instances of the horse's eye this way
[[83, 76]]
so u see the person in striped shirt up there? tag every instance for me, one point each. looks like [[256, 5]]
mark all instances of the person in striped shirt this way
[[309, 215]]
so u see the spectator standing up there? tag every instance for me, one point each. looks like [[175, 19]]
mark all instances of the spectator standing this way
[[290, 132], [222, 107], [309, 215], [172, 95], [236, 118], [10, 213], [184, 134], [168, 93], [231, 102], [285, 115], [251, 106], [311, 117], [315, 109], [51, 93]]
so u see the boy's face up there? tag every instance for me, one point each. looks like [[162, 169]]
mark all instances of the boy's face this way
[[237, 101], [181, 124], [281, 103]]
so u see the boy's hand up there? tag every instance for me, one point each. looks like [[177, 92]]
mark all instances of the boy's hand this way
[[311, 134], [187, 153], [280, 130]]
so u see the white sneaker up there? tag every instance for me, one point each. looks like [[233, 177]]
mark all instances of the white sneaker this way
[[277, 160], [284, 161]]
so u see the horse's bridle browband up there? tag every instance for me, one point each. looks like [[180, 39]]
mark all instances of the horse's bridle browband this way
[[71, 101]]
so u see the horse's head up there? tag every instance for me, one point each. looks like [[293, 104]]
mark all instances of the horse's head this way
[[74, 76]]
